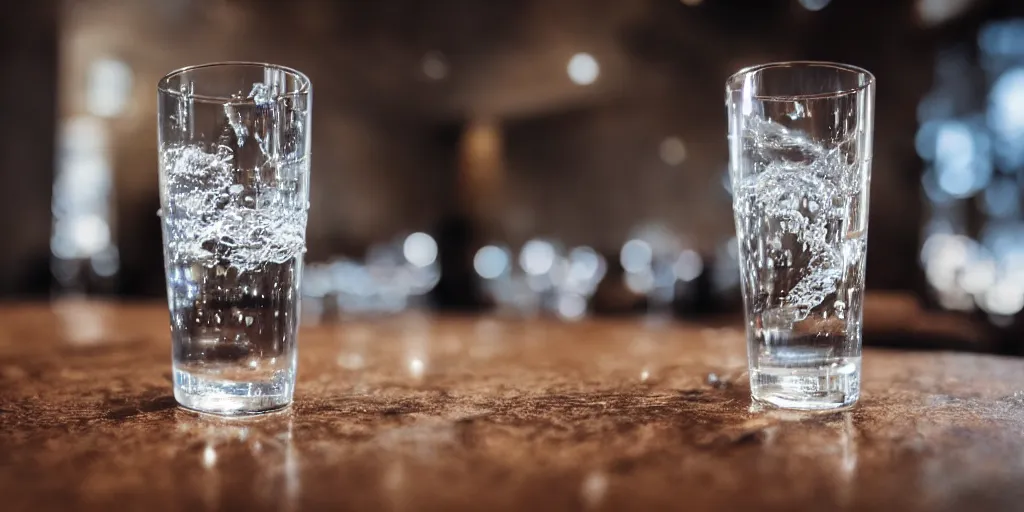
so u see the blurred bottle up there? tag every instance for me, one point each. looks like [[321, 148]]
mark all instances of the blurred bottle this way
[[461, 233]]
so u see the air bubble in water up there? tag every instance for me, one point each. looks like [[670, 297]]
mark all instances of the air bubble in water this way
[[206, 226], [796, 200]]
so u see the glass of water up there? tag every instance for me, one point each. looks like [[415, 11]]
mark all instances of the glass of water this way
[[234, 196], [800, 163]]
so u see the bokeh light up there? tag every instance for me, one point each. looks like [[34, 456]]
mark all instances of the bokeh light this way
[[583, 69], [689, 266], [537, 257], [814, 5], [435, 66], [491, 262], [672, 151], [636, 256], [420, 249]]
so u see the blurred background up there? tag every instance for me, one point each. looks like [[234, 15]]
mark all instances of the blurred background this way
[[530, 158]]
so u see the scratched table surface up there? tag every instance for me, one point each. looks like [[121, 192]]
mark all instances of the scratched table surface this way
[[448, 413]]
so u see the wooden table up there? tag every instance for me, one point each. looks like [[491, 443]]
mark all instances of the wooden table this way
[[478, 413]]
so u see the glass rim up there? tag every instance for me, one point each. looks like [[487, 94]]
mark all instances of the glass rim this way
[[162, 85], [737, 76]]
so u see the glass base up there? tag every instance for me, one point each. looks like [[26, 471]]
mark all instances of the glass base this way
[[809, 388], [212, 394]]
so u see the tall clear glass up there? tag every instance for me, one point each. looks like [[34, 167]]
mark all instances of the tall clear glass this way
[[800, 162], [234, 144]]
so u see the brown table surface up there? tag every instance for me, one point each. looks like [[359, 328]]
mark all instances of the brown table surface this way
[[425, 413]]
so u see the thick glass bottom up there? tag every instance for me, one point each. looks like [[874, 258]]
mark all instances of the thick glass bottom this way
[[211, 393], [809, 388]]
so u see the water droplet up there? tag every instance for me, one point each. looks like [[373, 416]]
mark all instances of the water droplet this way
[[248, 321]]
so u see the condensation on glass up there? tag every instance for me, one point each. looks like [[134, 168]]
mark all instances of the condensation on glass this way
[[800, 136], [234, 142]]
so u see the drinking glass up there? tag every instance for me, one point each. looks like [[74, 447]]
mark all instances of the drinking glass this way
[[800, 164], [234, 196]]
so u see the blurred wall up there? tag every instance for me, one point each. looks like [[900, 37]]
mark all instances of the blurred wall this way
[[28, 63]]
